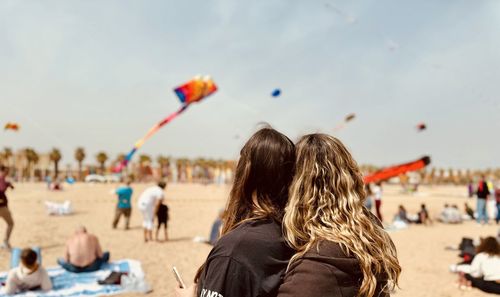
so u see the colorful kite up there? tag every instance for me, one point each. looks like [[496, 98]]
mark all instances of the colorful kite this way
[[193, 91], [12, 126], [276, 93], [393, 171], [421, 127]]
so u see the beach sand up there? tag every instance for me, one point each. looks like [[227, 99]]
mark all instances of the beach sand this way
[[192, 210]]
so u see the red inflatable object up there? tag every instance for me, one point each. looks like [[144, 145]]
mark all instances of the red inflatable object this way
[[393, 171]]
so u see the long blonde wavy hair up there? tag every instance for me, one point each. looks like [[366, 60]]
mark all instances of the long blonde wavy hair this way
[[326, 203]]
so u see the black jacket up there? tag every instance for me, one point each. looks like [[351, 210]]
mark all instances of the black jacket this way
[[249, 261], [325, 271], [482, 190]]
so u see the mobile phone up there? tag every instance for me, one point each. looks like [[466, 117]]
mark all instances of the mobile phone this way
[[178, 278]]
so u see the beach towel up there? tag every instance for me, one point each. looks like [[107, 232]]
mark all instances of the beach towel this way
[[68, 284]]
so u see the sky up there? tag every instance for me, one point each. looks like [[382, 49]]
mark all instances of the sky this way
[[99, 74]]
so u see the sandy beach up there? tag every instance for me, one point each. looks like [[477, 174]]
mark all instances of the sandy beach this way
[[192, 209]]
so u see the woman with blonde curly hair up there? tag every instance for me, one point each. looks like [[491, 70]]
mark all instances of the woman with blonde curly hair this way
[[341, 248]]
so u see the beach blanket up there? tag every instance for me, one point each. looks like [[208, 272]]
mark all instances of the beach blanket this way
[[68, 284]]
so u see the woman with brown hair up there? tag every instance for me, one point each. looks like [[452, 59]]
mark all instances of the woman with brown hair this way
[[484, 271], [342, 249], [251, 256]]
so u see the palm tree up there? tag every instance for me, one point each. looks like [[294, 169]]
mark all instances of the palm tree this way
[[144, 159], [164, 162], [79, 157], [32, 158], [55, 156], [101, 158], [144, 168], [6, 155]]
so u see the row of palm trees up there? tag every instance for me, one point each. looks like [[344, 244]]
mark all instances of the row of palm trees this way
[[32, 157]]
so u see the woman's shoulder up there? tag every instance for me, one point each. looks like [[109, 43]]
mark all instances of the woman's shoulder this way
[[250, 238]]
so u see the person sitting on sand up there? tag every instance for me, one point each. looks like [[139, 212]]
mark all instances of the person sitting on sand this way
[[124, 207], [423, 216], [450, 215], [484, 271], [216, 228], [83, 253], [469, 211], [162, 216], [29, 275], [401, 215], [149, 203]]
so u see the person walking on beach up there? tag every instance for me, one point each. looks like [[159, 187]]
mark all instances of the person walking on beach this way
[[377, 194], [4, 208], [124, 206], [149, 203], [482, 196]]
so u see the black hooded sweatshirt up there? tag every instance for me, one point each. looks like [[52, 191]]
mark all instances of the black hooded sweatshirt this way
[[325, 271], [249, 261]]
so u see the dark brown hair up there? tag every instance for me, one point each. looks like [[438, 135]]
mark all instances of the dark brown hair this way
[[162, 184], [263, 175], [28, 258], [490, 246]]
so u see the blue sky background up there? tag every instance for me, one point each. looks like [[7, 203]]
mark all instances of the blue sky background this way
[[100, 73]]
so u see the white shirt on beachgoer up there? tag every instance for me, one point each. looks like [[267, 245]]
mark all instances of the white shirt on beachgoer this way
[[20, 279], [483, 265], [149, 197], [377, 193]]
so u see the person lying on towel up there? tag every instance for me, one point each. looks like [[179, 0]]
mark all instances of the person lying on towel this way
[[29, 275], [83, 253]]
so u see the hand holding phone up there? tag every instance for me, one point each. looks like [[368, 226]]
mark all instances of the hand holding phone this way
[[178, 278]]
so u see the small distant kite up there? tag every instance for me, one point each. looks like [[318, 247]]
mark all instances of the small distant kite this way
[[350, 117], [347, 119], [276, 93], [12, 126], [193, 91], [421, 127], [393, 171]]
